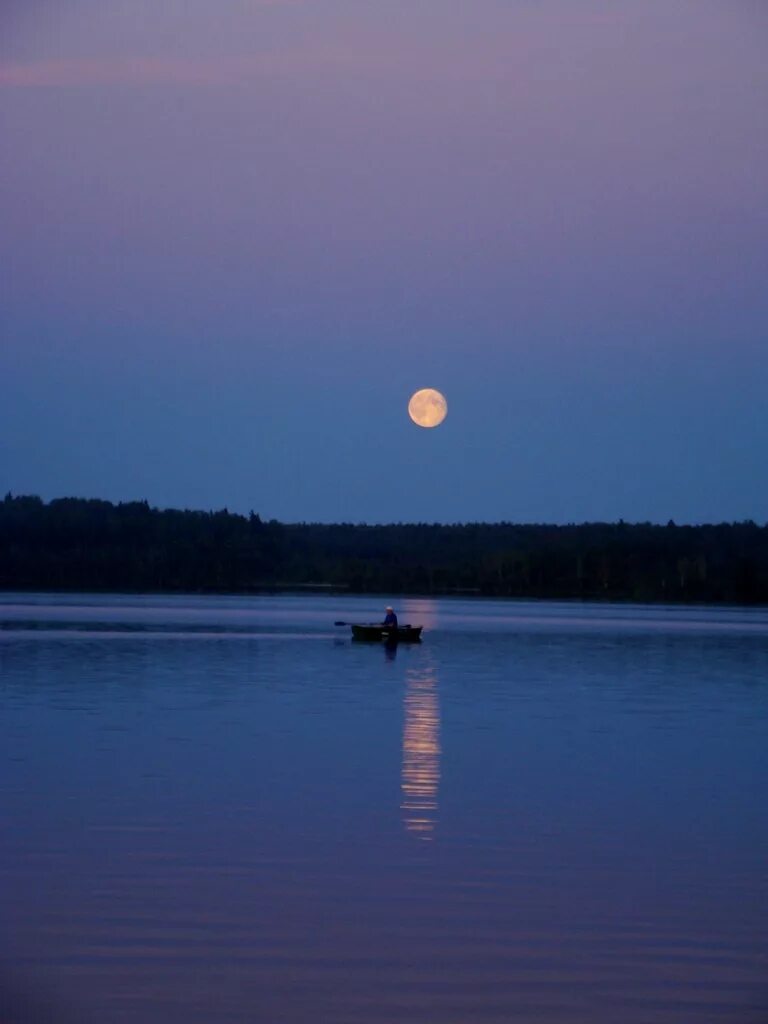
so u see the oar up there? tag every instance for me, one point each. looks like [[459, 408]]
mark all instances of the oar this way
[[339, 622]]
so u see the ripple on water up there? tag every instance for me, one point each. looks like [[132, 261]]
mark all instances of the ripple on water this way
[[223, 811]]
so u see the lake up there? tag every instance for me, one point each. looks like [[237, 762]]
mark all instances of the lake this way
[[224, 809]]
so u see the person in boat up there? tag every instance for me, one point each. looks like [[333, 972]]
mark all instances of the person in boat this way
[[390, 619]]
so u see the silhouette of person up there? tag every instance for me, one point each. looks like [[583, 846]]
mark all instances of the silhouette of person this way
[[390, 619]]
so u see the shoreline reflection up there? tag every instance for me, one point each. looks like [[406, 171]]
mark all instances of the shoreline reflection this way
[[420, 777]]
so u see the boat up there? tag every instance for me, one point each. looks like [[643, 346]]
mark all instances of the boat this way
[[374, 631]]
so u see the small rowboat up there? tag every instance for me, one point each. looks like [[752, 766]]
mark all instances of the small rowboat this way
[[376, 632]]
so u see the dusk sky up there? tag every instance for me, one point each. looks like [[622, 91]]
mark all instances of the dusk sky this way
[[236, 236]]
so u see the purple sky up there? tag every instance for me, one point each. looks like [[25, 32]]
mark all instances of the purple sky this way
[[237, 236]]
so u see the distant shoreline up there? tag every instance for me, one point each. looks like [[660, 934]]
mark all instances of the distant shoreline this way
[[298, 590], [72, 545]]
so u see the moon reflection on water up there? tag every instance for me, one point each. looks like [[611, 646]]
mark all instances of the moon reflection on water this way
[[420, 775]]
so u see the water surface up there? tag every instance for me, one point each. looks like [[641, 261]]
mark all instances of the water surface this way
[[223, 809]]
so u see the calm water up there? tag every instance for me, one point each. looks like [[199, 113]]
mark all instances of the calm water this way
[[222, 809]]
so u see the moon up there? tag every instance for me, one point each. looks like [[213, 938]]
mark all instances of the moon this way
[[427, 408]]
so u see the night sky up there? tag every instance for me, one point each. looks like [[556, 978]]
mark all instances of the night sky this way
[[236, 236]]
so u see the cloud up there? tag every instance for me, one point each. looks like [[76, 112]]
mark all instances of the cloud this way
[[223, 71], [134, 71]]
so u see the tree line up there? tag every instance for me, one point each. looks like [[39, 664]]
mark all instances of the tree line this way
[[87, 544]]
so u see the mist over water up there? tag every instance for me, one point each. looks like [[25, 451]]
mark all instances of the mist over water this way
[[223, 809]]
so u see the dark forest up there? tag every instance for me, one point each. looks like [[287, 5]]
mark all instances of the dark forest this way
[[79, 544]]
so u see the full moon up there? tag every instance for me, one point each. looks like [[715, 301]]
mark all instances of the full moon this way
[[427, 408]]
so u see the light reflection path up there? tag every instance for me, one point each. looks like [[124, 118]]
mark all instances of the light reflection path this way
[[420, 776]]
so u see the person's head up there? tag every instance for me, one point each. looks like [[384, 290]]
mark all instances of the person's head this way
[[389, 608]]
